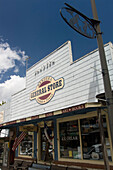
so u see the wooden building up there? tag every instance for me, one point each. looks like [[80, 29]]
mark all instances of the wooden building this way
[[58, 111]]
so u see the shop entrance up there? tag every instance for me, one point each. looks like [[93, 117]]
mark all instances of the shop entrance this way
[[1, 152], [5, 157], [46, 143], [12, 153]]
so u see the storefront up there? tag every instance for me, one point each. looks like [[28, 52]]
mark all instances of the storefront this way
[[56, 115], [79, 138]]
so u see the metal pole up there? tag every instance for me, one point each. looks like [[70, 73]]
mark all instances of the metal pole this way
[[105, 73], [105, 155]]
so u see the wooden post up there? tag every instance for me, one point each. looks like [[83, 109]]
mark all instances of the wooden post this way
[[105, 155]]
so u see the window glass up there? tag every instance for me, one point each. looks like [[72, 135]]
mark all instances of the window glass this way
[[69, 140], [91, 141], [4, 133], [5, 159], [1, 153], [26, 145]]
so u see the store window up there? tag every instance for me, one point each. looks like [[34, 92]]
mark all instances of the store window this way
[[1, 153], [26, 145], [69, 140], [5, 158], [91, 141], [4, 133]]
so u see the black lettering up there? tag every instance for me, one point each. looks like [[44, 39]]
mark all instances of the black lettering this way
[[44, 90], [53, 63], [40, 91], [60, 82], [50, 87], [57, 85], [43, 68], [50, 64], [47, 65], [54, 85]]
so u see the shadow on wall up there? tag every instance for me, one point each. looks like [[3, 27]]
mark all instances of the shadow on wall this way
[[94, 87]]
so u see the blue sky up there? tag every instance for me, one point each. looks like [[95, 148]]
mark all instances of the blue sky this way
[[34, 28]]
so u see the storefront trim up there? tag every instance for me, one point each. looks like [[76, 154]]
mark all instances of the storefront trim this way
[[78, 118], [25, 156], [28, 120]]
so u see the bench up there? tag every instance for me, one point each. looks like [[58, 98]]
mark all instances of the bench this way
[[40, 166], [20, 164], [16, 164]]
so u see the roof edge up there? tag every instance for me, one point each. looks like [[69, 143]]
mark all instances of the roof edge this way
[[109, 43], [49, 55]]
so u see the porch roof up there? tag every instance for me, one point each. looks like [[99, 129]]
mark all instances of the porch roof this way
[[74, 110]]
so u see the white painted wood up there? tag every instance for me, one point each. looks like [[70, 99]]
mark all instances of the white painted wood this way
[[5, 108], [82, 78]]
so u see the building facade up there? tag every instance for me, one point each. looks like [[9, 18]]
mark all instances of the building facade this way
[[58, 111]]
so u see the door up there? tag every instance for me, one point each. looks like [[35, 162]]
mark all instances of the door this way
[[5, 157], [46, 144], [12, 153]]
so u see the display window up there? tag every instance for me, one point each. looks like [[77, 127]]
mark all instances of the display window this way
[[69, 140], [91, 141], [1, 152], [5, 158], [26, 145], [80, 138]]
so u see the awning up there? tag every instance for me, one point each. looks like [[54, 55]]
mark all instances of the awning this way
[[74, 110]]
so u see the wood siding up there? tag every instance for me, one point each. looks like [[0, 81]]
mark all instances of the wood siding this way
[[82, 78]]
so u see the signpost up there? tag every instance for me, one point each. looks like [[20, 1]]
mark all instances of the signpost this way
[[90, 28], [105, 73], [79, 22]]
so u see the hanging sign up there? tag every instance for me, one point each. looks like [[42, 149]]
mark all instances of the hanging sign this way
[[79, 22], [28, 128], [46, 89]]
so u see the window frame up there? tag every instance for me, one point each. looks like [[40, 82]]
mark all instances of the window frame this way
[[27, 156], [79, 117]]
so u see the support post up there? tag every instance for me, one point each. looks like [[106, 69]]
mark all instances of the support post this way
[[105, 73], [55, 140], [105, 155]]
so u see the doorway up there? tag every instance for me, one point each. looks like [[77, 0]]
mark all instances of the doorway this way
[[46, 140]]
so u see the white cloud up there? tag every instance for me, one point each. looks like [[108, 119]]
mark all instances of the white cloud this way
[[11, 86], [8, 57]]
